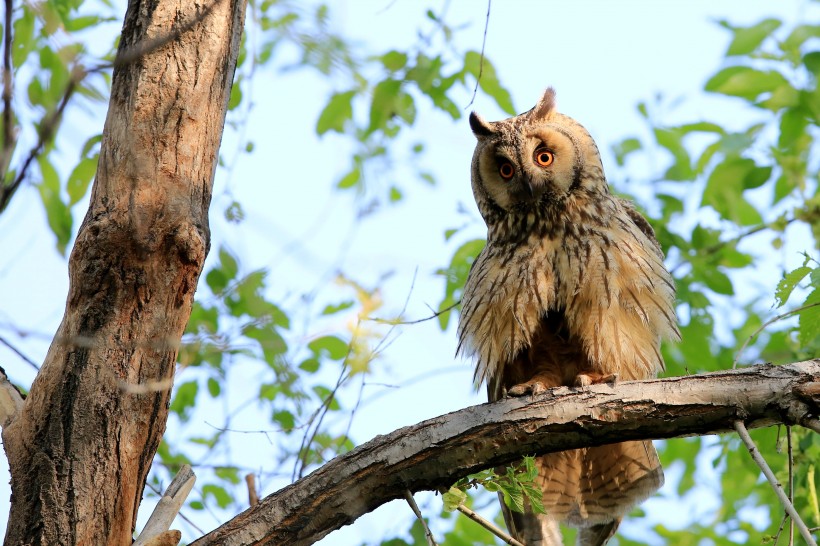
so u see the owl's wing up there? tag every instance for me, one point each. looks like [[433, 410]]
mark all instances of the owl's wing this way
[[643, 224]]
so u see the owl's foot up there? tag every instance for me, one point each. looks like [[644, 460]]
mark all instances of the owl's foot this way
[[594, 378], [534, 387]]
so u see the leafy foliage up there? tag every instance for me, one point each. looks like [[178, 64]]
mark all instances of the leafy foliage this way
[[516, 485]]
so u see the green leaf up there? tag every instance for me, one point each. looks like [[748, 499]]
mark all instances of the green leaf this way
[[812, 62], [793, 124], [394, 60], [83, 22], [456, 275], [484, 72], [90, 144], [236, 94], [216, 280], [220, 495], [330, 346], [57, 212], [395, 194], [810, 319], [310, 365], [453, 498], [333, 309], [717, 281], [338, 111], [270, 341], [703, 237], [185, 399], [747, 39], [745, 82], [624, 148], [681, 169], [326, 396], [696, 343], [80, 178], [228, 473], [798, 37], [724, 189], [285, 419], [788, 283], [23, 41], [384, 104], [229, 265], [203, 318], [670, 205], [214, 388], [701, 127], [350, 179]]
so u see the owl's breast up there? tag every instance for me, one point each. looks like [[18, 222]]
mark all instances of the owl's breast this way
[[508, 292]]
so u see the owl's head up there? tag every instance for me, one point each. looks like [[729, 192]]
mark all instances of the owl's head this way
[[533, 161]]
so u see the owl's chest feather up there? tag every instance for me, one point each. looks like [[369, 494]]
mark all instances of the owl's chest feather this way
[[613, 292]]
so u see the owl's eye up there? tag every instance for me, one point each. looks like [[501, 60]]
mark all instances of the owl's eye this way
[[544, 157], [506, 170]]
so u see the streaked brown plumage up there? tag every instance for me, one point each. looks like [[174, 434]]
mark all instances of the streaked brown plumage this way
[[570, 290]]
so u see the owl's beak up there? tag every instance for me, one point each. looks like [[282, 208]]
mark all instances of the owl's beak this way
[[530, 188]]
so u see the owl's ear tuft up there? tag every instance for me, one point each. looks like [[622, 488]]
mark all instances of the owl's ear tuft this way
[[545, 106], [481, 128]]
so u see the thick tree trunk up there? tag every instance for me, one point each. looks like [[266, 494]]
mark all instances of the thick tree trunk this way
[[436, 453], [81, 447]]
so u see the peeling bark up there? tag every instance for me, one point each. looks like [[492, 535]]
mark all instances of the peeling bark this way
[[436, 453], [81, 447]]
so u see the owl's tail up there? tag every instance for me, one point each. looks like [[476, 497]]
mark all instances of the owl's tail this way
[[592, 489]]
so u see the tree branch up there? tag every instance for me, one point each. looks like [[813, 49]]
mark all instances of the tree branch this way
[[778, 489], [437, 452], [168, 507]]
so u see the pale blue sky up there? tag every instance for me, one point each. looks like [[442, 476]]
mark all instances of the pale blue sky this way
[[601, 57]]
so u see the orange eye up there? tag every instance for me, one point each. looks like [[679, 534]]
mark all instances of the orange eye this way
[[544, 157], [506, 170]]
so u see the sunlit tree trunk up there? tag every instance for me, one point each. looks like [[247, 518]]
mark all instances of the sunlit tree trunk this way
[[81, 448]]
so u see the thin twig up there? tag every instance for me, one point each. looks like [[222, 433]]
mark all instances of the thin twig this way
[[47, 129], [734, 240], [481, 60], [791, 479], [780, 529], [415, 507], [16, 351], [253, 496], [778, 489], [489, 525], [435, 314], [766, 325]]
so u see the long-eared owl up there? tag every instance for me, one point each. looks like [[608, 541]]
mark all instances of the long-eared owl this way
[[570, 290]]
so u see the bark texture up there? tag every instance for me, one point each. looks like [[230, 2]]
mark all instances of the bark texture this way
[[82, 445], [435, 453]]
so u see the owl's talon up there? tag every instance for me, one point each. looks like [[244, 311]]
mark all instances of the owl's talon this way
[[530, 387], [593, 378]]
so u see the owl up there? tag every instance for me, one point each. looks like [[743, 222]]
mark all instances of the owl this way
[[569, 290]]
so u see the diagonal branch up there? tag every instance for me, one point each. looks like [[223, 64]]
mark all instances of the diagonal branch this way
[[778, 489], [437, 452]]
